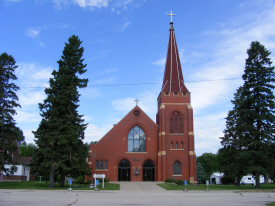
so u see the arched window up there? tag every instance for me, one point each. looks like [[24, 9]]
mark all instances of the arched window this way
[[176, 123], [171, 145], [106, 164], [101, 165], [181, 145], [96, 165], [177, 170], [136, 140], [176, 145]]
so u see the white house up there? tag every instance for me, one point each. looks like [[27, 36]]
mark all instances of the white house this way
[[216, 178]]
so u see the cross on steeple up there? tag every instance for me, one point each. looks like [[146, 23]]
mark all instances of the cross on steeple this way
[[136, 101], [171, 15]]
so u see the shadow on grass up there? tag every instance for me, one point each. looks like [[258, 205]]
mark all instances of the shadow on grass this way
[[172, 186], [45, 186]]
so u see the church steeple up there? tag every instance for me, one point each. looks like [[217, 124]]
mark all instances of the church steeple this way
[[173, 79]]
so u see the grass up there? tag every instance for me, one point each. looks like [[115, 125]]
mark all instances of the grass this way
[[45, 186], [172, 186], [270, 204]]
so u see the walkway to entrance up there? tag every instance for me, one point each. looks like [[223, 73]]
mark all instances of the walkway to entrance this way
[[141, 186]]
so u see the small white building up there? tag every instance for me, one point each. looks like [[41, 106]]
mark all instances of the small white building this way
[[216, 178]]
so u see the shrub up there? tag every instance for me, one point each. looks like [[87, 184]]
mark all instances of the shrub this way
[[106, 179], [203, 179], [80, 180], [179, 182], [88, 182], [167, 180], [170, 180]]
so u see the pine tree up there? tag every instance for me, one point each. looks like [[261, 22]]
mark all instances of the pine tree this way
[[61, 131], [200, 172], [9, 133], [250, 125], [233, 158]]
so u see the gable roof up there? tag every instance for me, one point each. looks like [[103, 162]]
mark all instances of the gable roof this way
[[127, 115]]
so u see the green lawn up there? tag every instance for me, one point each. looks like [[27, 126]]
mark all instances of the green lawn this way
[[45, 186], [172, 186]]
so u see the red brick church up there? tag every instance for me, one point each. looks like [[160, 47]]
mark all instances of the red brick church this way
[[139, 149]]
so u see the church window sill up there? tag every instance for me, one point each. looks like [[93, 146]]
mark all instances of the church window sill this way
[[137, 152], [177, 175], [176, 134], [177, 149]]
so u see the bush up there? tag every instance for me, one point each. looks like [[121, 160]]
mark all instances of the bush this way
[[171, 180], [88, 182], [106, 179], [80, 180], [203, 180], [179, 182]]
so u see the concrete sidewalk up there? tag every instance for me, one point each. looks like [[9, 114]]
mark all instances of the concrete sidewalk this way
[[140, 186]]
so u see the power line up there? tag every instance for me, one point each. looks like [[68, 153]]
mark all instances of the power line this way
[[138, 84]]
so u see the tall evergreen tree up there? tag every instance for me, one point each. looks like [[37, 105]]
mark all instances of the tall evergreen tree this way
[[252, 131], [61, 131], [9, 133], [232, 157]]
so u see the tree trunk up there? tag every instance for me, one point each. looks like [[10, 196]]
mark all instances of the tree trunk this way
[[257, 185], [51, 183], [62, 179], [237, 183]]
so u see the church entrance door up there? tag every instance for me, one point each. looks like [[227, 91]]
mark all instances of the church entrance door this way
[[124, 171], [148, 171]]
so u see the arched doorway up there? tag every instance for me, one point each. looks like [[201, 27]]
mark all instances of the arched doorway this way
[[148, 171], [124, 171]]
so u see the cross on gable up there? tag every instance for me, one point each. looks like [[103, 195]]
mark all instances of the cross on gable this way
[[171, 15], [136, 101]]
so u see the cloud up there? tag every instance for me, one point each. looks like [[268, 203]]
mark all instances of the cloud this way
[[207, 132], [160, 62], [225, 61], [92, 3], [30, 117], [105, 80], [31, 74], [32, 32], [89, 93], [124, 26], [147, 102], [95, 133], [32, 80], [108, 71]]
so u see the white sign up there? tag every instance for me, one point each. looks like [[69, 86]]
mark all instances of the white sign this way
[[99, 175]]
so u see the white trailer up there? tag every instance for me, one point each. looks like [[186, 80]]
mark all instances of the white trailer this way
[[251, 180]]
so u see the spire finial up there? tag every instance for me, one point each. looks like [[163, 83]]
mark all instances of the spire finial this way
[[171, 14]]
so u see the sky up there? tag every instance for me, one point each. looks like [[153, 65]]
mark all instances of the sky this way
[[125, 45]]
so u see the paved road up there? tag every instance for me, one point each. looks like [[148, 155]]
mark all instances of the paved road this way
[[137, 194]]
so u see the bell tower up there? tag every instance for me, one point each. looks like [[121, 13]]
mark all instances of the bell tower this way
[[176, 152]]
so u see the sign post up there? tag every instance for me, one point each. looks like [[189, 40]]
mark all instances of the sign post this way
[[97, 181], [70, 183], [207, 183], [185, 184]]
